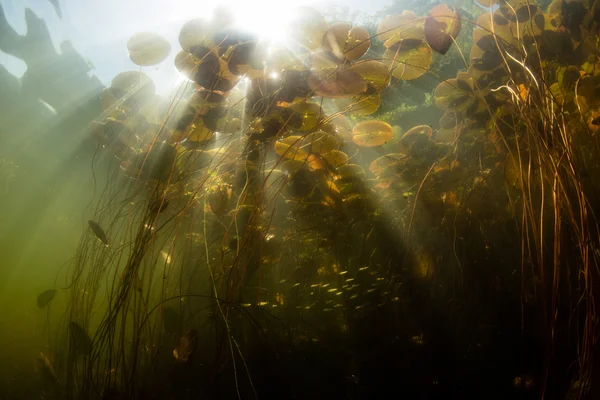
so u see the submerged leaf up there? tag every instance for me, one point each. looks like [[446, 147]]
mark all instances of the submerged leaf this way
[[186, 346], [81, 340], [45, 297]]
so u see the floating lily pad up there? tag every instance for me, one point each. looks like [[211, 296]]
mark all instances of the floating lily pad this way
[[308, 27], [442, 26], [350, 171], [375, 73], [336, 158], [486, 25], [146, 49], [219, 198], [320, 142], [194, 33], [291, 148], [408, 62], [387, 163], [336, 83], [247, 59], [372, 133], [310, 113], [359, 105], [345, 41], [133, 87], [456, 93], [395, 28], [185, 63]]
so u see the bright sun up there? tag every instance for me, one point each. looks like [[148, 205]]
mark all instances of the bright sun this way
[[265, 18]]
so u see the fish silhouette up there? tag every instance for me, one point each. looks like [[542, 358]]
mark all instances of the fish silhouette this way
[[99, 232]]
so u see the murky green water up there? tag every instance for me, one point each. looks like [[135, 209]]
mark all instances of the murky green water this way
[[299, 201]]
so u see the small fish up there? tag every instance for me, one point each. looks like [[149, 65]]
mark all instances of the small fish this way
[[98, 231], [44, 368], [47, 106], [45, 297], [158, 206]]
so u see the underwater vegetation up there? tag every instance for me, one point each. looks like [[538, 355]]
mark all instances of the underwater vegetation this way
[[266, 231]]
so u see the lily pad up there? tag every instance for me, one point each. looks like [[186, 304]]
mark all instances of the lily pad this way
[[408, 62], [372, 133], [375, 73], [345, 41], [308, 27], [147, 49], [81, 340], [395, 28], [336, 83], [442, 26], [45, 298]]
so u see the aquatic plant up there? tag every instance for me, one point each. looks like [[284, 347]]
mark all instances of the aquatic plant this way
[[247, 217]]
